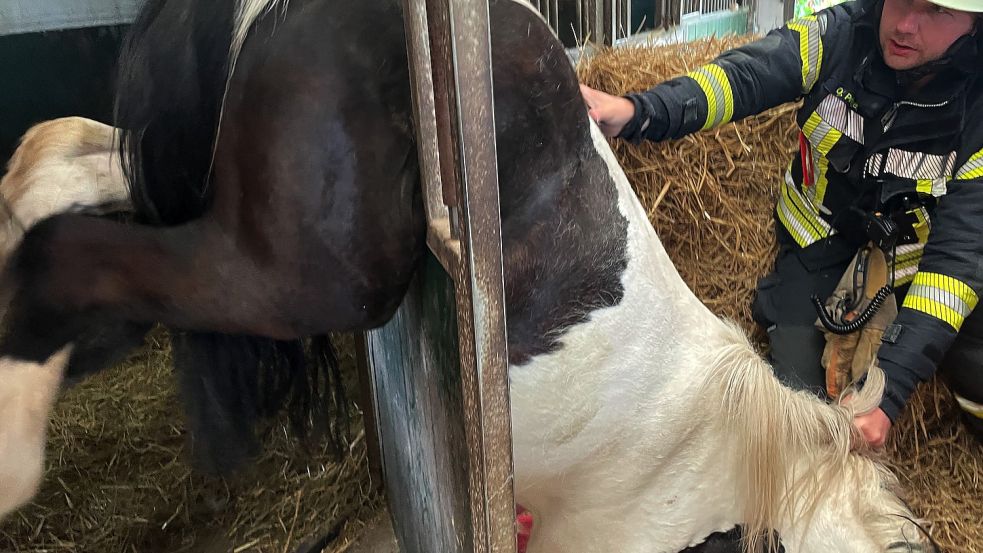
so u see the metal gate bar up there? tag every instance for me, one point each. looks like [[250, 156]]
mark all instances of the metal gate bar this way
[[444, 417]]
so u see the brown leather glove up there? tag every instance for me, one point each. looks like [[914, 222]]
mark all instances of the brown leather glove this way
[[846, 357]]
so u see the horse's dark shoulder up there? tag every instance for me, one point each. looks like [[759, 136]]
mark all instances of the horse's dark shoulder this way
[[318, 134], [564, 238]]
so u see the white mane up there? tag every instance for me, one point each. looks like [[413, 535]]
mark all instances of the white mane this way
[[247, 12]]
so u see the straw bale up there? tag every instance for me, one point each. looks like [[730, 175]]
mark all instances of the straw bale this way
[[711, 197]]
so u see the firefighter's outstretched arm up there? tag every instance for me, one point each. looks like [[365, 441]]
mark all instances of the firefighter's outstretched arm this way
[[778, 68]]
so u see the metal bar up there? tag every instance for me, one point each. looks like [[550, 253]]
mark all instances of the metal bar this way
[[434, 137], [480, 291], [441, 57], [454, 104]]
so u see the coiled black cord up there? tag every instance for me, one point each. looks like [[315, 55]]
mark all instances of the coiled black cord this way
[[824, 317]]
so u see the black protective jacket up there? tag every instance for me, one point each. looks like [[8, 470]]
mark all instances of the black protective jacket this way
[[866, 146]]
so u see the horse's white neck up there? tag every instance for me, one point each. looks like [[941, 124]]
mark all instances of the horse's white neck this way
[[617, 394], [660, 419]]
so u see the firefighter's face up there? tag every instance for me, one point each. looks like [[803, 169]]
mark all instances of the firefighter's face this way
[[915, 32]]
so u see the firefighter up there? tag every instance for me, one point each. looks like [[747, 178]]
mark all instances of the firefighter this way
[[890, 154]]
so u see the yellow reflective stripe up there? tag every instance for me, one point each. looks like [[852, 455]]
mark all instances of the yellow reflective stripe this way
[[906, 262], [798, 216], [942, 297], [704, 81], [921, 226], [822, 167], [718, 75], [828, 141], [719, 94], [909, 259], [973, 168], [820, 133], [811, 123], [810, 50], [970, 407]]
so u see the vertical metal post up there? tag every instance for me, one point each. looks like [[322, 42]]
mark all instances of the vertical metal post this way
[[448, 43], [480, 284], [604, 21]]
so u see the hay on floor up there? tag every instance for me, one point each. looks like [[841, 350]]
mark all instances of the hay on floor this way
[[711, 197], [118, 478]]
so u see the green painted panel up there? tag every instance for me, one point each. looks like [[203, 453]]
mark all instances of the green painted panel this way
[[716, 24], [416, 377]]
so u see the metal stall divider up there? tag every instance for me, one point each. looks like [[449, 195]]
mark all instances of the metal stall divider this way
[[438, 370]]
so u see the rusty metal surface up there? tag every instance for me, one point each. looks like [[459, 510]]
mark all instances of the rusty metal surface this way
[[435, 146], [449, 51], [480, 288]]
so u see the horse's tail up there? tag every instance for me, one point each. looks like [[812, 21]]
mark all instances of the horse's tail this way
[[791, 445], [229, 383], [174, 73]]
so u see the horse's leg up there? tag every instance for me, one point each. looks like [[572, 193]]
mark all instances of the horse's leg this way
[[193, 277], [280, 279], [103, 344], [72, 271], [26, 397]]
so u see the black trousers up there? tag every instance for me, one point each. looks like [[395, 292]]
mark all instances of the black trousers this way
[[782, 306]]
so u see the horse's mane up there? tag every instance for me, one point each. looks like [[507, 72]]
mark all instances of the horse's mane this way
[[247, 12], [793, 447]]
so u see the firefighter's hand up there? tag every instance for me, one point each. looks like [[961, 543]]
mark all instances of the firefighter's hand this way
[[874, 427], [611, 113]]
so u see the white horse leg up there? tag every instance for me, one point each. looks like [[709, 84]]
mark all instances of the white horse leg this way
[[27, 394], [68, 164]]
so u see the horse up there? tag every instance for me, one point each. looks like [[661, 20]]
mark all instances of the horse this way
[[277, 190], [63, 165]]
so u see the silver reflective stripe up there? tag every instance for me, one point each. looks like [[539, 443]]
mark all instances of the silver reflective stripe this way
[[917, 165], [971, 166], [942, 296], [932, 170], [835, 112], [905, 261]]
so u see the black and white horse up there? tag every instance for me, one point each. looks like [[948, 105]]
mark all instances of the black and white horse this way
[[272, 162]]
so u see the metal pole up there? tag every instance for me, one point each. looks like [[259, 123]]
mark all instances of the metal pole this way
[[455, 117]]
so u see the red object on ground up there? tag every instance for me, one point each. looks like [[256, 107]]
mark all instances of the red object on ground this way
[[523, 528]]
